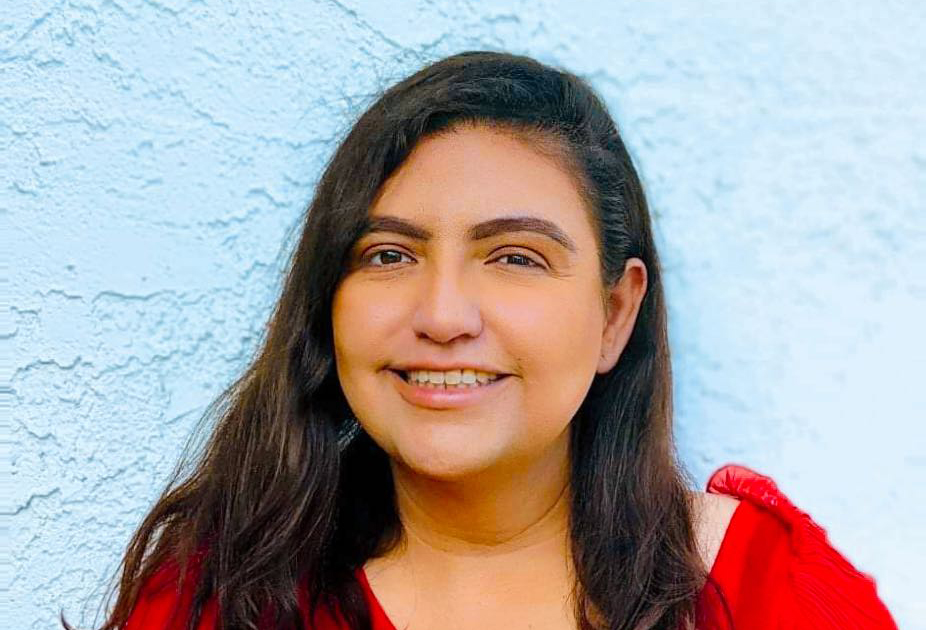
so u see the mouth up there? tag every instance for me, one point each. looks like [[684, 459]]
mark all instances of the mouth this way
[[441, 396], [404, 375]]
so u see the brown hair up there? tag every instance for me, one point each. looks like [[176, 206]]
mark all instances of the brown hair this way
[[289, 490]]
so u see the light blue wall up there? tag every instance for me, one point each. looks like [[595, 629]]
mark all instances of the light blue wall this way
[[155, 153]]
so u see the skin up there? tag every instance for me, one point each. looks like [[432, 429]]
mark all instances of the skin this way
[[483, 490]]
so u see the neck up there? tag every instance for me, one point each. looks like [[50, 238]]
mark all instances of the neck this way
[[488, 547], [497, 512]]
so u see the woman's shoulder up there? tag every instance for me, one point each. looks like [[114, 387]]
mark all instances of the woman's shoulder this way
[[775, 562], [165, 599], [712, 516]]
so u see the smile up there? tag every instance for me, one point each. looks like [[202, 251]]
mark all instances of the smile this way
[[444, 396]]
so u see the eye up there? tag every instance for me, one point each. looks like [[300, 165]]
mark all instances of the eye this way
[[528, 261], [390, 255]]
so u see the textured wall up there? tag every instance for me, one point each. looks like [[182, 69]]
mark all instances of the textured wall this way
[[155, 154]]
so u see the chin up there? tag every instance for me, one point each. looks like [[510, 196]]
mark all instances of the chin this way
[[443, 448], [442, 465]]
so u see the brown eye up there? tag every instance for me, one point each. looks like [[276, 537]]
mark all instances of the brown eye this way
[[389, 257], [521, 260]]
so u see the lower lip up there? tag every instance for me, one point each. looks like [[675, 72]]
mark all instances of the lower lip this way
[[435, 398]]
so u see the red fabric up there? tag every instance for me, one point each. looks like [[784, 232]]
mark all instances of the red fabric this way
[[775, 570]]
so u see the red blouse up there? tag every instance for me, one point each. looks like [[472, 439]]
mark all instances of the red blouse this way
[[775, 569]]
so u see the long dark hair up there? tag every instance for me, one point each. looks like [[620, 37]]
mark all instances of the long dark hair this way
[[290, 493]]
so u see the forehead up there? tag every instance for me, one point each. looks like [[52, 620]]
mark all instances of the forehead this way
[[454, 180]]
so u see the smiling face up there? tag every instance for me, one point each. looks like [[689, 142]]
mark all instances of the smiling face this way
[[440, 285]]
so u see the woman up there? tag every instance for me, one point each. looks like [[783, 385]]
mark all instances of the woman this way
[[461, 414]]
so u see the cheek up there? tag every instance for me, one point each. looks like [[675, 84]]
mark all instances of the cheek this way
[[555, 332], [555, 344], [352, 342], [360, 321], [343, 315]]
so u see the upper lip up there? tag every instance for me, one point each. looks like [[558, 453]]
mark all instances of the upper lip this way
[[436, 367]]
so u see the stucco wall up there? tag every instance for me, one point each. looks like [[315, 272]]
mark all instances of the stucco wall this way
[[155, 154]]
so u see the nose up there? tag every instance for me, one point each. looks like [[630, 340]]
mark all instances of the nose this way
[[446, 306]]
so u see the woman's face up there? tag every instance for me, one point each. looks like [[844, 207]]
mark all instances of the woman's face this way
[[446, 284]]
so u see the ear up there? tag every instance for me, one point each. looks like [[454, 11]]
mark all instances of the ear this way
[[623, 304]]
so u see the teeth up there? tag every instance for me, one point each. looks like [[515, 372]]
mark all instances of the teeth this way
[[451, 378]]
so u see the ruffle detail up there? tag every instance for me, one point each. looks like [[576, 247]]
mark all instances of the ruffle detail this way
[[163, 605], [827, 591]]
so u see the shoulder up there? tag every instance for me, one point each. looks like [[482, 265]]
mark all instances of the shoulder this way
[[164, 601], [776, 552], [712, 514]]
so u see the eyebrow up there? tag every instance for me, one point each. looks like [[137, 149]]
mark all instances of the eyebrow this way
[[483, 230]]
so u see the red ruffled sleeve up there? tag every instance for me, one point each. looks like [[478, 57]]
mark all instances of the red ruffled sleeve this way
[[162, 605], [776, 559]]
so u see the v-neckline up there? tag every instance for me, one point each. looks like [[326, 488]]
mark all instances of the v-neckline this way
[[380, 620]]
